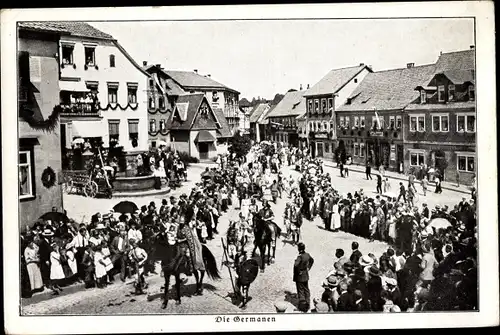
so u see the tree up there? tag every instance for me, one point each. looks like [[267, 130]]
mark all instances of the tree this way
[[240, 145], [277, 98]]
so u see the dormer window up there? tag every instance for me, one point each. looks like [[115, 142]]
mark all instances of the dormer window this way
[[451, 92], [472, 93], [441, 93], [316, 106], [423, 97]]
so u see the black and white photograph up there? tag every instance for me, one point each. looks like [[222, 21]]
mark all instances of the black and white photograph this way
[[237, 164]]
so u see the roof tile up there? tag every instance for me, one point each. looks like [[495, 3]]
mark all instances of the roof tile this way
[[74, 28], [193, 80], [292, 104], [334, 80]]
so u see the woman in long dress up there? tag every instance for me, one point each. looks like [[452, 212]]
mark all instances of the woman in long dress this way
[[56, 269], [335, 217], [32, 259], [100, 267]]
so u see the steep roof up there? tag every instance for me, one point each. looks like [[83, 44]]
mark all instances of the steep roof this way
[[224, 131], [388, 90], [73, 28], [457, 60], [292, 104], [189, 79], [188, 106], [459, 76], [257, 112], [335, 80]]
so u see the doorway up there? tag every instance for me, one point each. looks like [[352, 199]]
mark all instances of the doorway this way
[[203, 150], [399, 158], [320, 146]]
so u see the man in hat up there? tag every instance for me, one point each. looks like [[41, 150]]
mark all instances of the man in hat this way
[[164, 208], [393, 290], [44, 251], [374, 287], [301, 268], [345, 301], [120, 248], [425, 211], [330, 295]]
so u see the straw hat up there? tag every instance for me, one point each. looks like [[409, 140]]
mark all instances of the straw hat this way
[[331, 282], [100, 226], [48, 232], [366, 261]]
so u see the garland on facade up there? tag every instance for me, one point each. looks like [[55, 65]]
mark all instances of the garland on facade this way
[[116, 106], [154, 133], [158, 110], [47, 125], [48, 177]]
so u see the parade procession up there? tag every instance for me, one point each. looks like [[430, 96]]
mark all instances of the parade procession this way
[[149, 190]]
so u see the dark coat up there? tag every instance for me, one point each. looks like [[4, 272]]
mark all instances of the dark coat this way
[[345, 302], [355, 256], [113, 248], [301, 267]]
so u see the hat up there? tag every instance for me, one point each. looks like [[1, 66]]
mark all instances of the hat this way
[[372, 270], [120, 226], [341, 273], [391, 282], [331, 282], [366, 261], [348, 266], [48, 232], [100, 226], [106, 216], [281, 306]]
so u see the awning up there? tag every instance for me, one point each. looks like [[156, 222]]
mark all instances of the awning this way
[[88, 129], [204, 136], [73, 86]]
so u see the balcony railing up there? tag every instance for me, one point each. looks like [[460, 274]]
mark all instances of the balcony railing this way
[[231, 111], [80, 109]]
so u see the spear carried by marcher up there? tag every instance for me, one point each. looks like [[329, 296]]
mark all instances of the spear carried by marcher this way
[[227, 262]]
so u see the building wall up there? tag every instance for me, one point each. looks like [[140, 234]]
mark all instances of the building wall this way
[[156, 113], [212, 149], [48, 152], [349, 88], [124, 72], [179, 139]]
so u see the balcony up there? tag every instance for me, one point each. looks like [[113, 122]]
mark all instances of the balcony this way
[[80, 109], [231, 111]]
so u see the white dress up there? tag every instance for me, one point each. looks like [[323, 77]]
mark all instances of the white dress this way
[[56, 270], [72, 261], [245, 205], [335, 217], [100, 269]]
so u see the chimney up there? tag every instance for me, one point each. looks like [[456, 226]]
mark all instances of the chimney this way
[[209, 75], [307, 86], [361, 64], [472, 47], [410, 65], [158, 66], [144, 63], [196, 71], [440, 53], [300, 89]]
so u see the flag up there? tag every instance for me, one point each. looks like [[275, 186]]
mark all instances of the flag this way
[[378, 120]]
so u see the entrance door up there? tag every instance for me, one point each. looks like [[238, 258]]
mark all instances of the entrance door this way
[[203, 149], [320, 149], [400, 158], [312, 149]]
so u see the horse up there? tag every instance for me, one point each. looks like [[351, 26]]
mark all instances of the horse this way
[[169, 255], [264, 241]]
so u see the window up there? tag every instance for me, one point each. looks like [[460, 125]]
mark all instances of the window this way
[[416, 158], [356, 121], [67, 54], [327, 147], [451, 92], [362, 121], [163, 126], [311, 126], [440, 122], [361, 150], [132, 94], [114, 130], [347, 121], [323, 106], [441, 93], [112, 94], [374, 123], [331, 125], [355, 80], [152, 126], [417, 123], [151, 102], [472, 93], [204, 110], [316, 106], [466, 123], [392, 122], [465, 162], [90, 56], [330, 104], [341, 120], [356, 149], [423, 97], [310, 106], [215, 98], [151, 84], [161, 102], [26, 189], [133, 132], [399, 122]]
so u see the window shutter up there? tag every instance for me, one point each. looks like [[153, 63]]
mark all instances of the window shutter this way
[[35, 69], [114, 126], [133, 126]]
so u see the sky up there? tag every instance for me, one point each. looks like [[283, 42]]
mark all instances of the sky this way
[[261, 58]]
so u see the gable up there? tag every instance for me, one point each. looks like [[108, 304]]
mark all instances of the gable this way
[[205, 117]]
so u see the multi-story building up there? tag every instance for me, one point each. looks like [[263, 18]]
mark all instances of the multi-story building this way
[[440, 124], [258, 122], [370, 124], [39, 161], [282, 120], [222, 99], [102, 89], [323, 99]]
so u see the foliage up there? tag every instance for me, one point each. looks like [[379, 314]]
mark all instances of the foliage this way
[[186, 159], [47, 125], [240, 145]]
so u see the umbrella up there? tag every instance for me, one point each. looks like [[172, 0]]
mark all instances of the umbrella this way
[[55, 216], [78, 141], [125, 207], [439, 223]]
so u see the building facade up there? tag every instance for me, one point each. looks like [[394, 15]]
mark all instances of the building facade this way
[[282, 120], [440, 125], [39, 134], [220, 97], [257, 120], [322, 100], [370, 124]]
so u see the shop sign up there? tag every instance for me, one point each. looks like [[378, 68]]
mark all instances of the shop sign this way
[[393, 152]]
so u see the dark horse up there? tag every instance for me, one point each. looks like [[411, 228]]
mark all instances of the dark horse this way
[[264, 240], [169, 255]]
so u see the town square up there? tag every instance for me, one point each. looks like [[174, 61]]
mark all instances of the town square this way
[[157, 185]]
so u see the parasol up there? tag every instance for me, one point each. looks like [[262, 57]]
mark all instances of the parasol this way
[[78, 141], [125, 207], [439, 223], [55, 217]]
